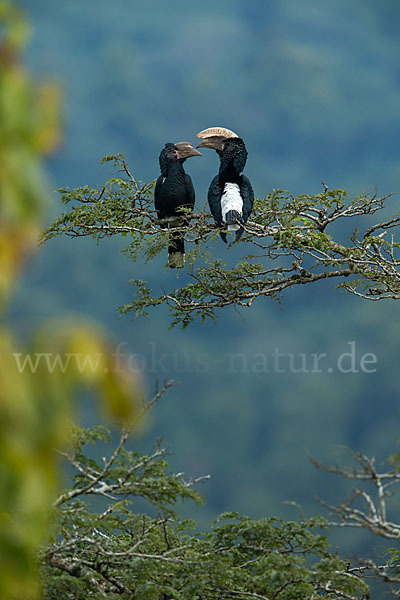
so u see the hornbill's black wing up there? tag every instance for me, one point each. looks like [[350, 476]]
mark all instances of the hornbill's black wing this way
[[247, 193], [157, 199], [214, 200], [176, 247], [215, 192], [190, 194]]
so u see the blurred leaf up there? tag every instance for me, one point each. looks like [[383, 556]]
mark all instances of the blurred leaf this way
[[37, 385]]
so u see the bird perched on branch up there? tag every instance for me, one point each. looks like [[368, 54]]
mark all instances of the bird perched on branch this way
[[230, 194], [173, 193]]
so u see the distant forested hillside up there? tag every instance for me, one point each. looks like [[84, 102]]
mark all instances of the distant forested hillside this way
[[313, 87]]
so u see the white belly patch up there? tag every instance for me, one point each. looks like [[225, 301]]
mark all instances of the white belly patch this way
[[231, 200]]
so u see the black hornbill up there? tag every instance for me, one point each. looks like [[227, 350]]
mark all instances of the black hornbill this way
[[174, 190], [230, 194]]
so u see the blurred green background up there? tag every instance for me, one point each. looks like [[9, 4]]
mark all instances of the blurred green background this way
[[314, 89]]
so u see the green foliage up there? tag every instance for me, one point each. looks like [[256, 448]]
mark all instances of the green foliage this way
[[291, 233], [29, 123], [29, 428], [35, 398], [116, 551], [29, 130], [129, 473]]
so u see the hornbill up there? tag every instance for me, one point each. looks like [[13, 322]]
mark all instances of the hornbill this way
[[174, 191], [230, 194]]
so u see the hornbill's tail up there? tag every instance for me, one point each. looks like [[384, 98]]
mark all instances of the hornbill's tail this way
[[239, 234], [232, 217], [176, 251]]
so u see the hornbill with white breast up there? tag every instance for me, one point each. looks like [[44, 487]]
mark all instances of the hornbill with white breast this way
[[174, 192], [230, 194]]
